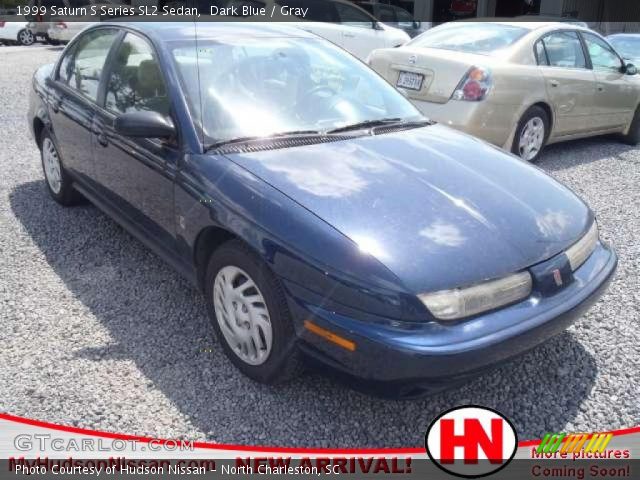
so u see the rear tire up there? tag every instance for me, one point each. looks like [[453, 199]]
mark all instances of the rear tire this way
[[532, 134], [25, 37], [633, 137], [57, 180], [249, 313]]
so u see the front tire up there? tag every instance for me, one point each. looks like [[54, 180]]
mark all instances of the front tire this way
[[249, 313], [633, 137], [56, 177], [25, 37], [531, 135]]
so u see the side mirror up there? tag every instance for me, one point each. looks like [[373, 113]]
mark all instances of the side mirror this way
[[631, 69], [145, 125], [377, 26]]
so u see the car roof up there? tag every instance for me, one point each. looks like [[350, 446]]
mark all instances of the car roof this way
[[531, 25], [175, 31]]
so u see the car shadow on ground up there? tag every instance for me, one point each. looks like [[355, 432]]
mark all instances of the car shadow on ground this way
[[158, 321], [561, 156]]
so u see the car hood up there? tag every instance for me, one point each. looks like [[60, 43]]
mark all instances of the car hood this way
[[439, 208]]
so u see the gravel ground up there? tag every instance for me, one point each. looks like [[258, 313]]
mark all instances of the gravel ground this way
[[98, 332]]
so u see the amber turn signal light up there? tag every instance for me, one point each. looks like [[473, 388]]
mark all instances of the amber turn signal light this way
[[332, 337]]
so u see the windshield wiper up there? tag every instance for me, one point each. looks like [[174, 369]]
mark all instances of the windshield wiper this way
[[410, 123], [383, 122], [365, 124], [294, 133]]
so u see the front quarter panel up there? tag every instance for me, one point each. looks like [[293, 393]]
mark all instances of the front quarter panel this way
[[317, 264], [38, 94]]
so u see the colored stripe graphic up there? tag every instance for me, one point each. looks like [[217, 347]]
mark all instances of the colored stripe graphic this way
[[574, 442]]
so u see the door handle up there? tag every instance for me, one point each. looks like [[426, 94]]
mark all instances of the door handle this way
[[600, 88], [554, 83], [349, 35]]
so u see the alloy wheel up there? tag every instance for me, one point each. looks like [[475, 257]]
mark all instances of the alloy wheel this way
[[51, 163], [25, 37], [531, 139], [242, 315]]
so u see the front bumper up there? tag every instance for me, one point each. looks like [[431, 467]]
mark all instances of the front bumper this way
[[489, 121], [410, 353]]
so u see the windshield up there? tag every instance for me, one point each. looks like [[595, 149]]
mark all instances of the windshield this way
[[628, 47], [483, 38], [266, 86]]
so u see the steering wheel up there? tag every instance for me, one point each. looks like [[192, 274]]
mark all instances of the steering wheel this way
[[316, 98], [321, 88]]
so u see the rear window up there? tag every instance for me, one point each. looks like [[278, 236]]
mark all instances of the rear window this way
[[483, 38]]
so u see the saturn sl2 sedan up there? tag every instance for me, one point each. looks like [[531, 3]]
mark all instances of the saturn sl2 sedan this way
[[517, 85], [322, 216]]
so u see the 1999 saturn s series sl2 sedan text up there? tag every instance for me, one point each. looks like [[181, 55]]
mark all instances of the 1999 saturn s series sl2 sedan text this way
[[319, 212]]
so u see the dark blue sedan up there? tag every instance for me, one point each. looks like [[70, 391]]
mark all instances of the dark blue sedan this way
[[319, 212]]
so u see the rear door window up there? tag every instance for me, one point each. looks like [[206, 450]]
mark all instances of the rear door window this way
[[564, 49], [81, 69]]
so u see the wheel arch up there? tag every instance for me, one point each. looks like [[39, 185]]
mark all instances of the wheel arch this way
[[520, 113], [40, 117], [547, 108], [208, 240], [635, 114], [38, 128]]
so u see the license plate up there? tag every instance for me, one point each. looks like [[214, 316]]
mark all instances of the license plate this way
[[410, 80]]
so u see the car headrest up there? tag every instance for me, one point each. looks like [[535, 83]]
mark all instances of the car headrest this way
[[150, 83]]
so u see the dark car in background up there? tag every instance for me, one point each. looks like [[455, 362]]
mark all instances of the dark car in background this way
[[395, 16], [320, 214], [628, 45], [464, 8]]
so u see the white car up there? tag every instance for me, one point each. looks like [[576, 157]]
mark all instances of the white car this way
[[63, 32], [338, 21], [15, 32]]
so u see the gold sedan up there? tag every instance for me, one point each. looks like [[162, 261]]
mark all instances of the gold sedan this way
[[517, 85]]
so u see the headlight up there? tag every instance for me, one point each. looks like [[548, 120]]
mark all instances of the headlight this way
[[464, 302], [584, 247]]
